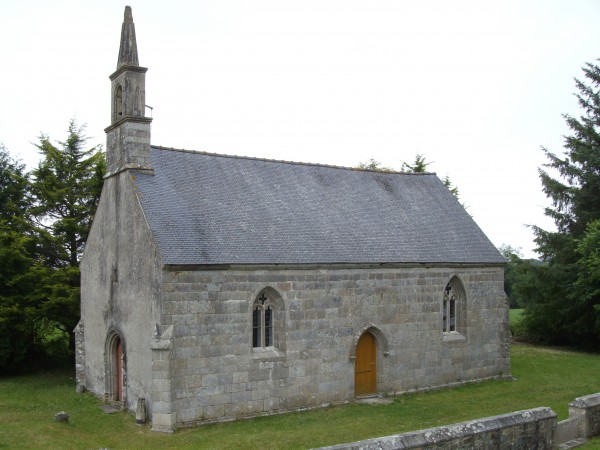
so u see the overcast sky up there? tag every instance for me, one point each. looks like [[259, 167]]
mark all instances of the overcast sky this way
[[475, 86]]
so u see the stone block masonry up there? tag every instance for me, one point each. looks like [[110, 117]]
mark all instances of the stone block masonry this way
[[319, 316]]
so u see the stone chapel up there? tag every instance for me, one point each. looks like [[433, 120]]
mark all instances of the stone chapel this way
[[219, 287]]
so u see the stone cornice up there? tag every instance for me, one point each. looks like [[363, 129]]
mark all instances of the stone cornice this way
[[371, 266], [126, 68], [128, 119]]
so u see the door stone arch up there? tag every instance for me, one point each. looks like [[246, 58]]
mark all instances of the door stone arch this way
[[369, 345], [115, 363]]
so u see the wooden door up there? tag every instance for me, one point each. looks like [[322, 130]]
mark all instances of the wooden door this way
[[365, 365], [119, 371]]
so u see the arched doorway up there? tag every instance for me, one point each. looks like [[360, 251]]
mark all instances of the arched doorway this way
[[365, 365], [115, 358]]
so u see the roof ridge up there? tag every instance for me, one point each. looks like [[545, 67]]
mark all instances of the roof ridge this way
[[297, 163]]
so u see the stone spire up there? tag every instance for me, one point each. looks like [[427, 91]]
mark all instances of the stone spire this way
[[128, 55], [128, 136]]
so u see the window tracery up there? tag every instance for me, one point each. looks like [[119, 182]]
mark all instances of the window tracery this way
[[449, 309], [262, 321], [453, 308]]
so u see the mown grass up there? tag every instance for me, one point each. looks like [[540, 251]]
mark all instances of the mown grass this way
[[514, 315], [544, 377]]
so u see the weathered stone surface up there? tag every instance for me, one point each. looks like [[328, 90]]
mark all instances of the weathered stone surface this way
[[61, 417], [312, 361], [521, 430], [140, 412], [587, 409]]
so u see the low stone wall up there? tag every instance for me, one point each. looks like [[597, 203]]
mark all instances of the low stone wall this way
[[587, 411], [530, 429], [568, 430]]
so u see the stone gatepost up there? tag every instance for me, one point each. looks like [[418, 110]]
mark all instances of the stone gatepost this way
[[587, 410], [164, 418]]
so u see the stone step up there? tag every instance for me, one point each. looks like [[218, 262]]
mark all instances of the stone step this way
[[111, 409]]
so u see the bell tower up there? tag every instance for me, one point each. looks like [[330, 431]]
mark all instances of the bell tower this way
[[128, 136]]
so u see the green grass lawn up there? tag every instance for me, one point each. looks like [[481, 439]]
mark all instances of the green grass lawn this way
[[514, 315], [544, 377]]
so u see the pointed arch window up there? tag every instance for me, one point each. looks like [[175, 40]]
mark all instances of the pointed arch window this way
[[449, 309], [453, 308], [262, 321]]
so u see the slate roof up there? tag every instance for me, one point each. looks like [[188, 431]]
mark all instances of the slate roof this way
[[215, 209]]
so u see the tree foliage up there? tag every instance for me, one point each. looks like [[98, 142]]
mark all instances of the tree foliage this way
[[66, 187], [562, 302], [451, 187], [511, 273], [17, 250], [15, 199], [373, 164], [419, 165], [45, 217]]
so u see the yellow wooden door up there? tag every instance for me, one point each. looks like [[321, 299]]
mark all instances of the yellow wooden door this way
[[365, 365]]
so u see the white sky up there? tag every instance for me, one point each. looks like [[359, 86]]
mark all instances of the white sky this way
[[475, 86]]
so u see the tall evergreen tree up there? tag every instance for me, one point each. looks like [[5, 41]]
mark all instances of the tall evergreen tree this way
[[66, 189], [17, 248], [45, 218], [14, 191], [556, 311]]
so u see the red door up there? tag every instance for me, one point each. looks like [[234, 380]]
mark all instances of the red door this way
[[119, 371], [365, 365]]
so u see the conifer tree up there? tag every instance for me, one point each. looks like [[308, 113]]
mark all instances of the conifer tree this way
[[373, 164], [418, 166], [17, 247], [66, 188], [559, 309]]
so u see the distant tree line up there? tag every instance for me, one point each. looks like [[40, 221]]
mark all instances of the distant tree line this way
[[45, 217]]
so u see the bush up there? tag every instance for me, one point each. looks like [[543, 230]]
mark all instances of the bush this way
[[515, 321]]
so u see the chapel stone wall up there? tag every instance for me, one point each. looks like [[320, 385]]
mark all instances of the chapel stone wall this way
[[217, 375], [120, 290]]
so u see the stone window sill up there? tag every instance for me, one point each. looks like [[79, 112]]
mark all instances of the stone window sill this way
[[453, 336], [267, 354]]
